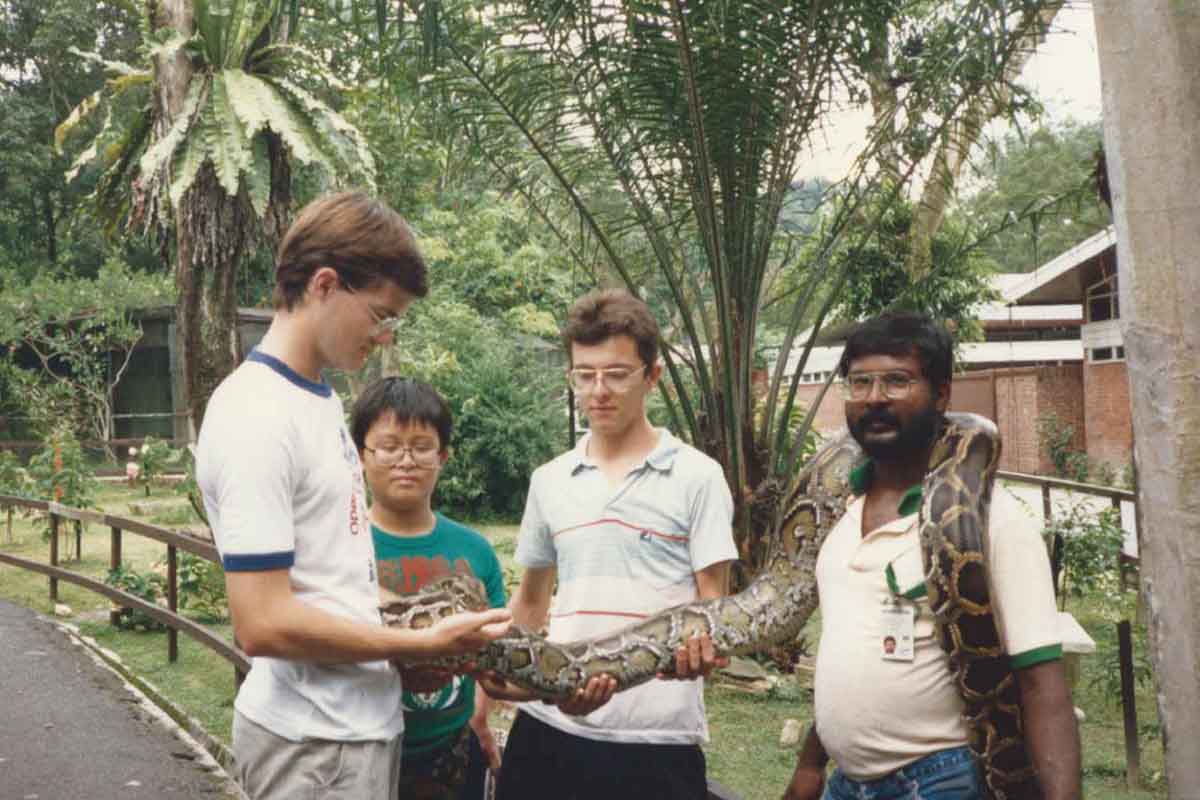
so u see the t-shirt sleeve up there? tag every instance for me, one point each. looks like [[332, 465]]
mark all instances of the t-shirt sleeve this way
[[246, 474], [711, 537], [493, 578], [1022, 588], [535, 546]]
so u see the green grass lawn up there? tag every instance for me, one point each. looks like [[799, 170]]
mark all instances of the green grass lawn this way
[[744, 754]]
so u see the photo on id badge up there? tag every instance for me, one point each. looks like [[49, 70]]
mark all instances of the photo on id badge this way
[[896, 637]]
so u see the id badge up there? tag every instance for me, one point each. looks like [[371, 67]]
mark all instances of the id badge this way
[[896, 632]]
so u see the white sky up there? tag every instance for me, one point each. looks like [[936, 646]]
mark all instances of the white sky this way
[[1064, 73]]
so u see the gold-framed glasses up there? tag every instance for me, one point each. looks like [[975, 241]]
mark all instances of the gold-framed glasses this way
[[861, 385], [380, 323], [425, 455], [617, 379]]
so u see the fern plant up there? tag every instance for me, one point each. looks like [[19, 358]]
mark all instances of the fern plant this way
[[197, 145], [243, 89]]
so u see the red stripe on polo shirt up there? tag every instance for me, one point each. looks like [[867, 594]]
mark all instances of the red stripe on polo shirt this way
[[602, 614], [624, 524]]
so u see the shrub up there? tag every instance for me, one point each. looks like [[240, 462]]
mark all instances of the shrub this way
[[1058, 438], [72, 474], [13, 480], [149, 586], [1091, 546], [202, 588], [155, 456], [506, 398]]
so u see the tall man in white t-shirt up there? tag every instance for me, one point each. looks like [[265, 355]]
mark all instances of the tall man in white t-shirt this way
[[885, 707], [630, 522], [319, 714]]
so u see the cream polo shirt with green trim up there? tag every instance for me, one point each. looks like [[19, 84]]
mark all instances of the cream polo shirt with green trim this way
[[875, 716]]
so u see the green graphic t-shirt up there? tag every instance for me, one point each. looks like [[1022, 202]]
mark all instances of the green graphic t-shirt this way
[[406, 563]]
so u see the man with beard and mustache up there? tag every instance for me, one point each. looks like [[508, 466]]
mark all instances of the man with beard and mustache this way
[[892, 721]]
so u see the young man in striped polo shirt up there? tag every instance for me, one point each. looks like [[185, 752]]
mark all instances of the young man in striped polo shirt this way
[[628, 523]]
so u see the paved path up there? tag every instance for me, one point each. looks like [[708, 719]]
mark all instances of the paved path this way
[[70, 728]]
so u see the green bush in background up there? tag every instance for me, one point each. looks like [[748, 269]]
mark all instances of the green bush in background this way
[[508, 396]]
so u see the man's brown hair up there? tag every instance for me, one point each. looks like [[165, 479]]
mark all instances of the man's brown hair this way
[[604, 313], [358, 236]]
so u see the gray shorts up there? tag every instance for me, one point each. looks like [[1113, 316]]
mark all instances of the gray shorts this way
[[269, 767]]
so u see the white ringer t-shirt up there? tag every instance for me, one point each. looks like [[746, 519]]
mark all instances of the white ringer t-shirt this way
[[283, 488], [621, 555]]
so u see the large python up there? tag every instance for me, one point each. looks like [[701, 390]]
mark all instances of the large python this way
[[775, 606]]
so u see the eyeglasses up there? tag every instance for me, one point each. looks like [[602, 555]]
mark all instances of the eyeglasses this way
[[424, 455], [860, 385], [618, 379], [380, 324]]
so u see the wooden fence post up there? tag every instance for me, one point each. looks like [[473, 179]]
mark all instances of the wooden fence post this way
[[1056, 546], [172, 602], [78, 540], [114, 563], [53, 555], [1133, 759]]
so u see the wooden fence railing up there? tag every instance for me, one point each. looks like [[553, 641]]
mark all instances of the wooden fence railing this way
[[118, 526], [1115, 496]]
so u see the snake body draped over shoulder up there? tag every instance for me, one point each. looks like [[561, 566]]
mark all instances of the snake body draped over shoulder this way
[[778, 602]]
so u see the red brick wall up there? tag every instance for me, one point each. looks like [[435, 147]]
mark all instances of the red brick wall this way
[[1060, 392], [1094, 401], [831, 416], [1107, 414], [1022, 395]]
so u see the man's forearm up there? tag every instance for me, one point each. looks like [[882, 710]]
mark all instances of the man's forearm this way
[[812, 752], [1051, 732], [530, 601]]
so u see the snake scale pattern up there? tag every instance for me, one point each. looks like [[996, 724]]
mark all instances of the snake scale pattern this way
[[775, 606]]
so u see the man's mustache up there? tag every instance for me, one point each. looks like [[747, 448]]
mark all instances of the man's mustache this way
[[877, 415]]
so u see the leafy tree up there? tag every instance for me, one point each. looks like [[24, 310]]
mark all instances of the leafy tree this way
[[673, 131], [952, 290], [197, 144], [899, 39], [69, 341], [1039, 196], [488, 256], [40, 82]]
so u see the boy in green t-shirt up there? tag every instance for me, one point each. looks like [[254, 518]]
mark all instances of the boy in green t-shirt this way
[[402, 430]]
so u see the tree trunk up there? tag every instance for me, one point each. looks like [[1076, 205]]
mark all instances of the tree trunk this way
[[1150, 66], [961, 136], [171, 87]]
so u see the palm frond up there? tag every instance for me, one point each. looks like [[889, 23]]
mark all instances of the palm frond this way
[[345, 141], [228, 145], [189, 158], [77, 115], [163, 151], [260, 105]]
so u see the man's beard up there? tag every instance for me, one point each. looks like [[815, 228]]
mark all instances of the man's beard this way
[[911, 441]]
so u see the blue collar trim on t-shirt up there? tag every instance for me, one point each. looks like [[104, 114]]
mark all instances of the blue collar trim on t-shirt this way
[[319, 389]]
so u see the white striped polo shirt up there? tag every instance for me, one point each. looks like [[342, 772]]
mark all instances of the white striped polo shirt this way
[[621, 555]]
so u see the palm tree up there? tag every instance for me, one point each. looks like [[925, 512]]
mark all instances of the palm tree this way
[[197, 145]]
